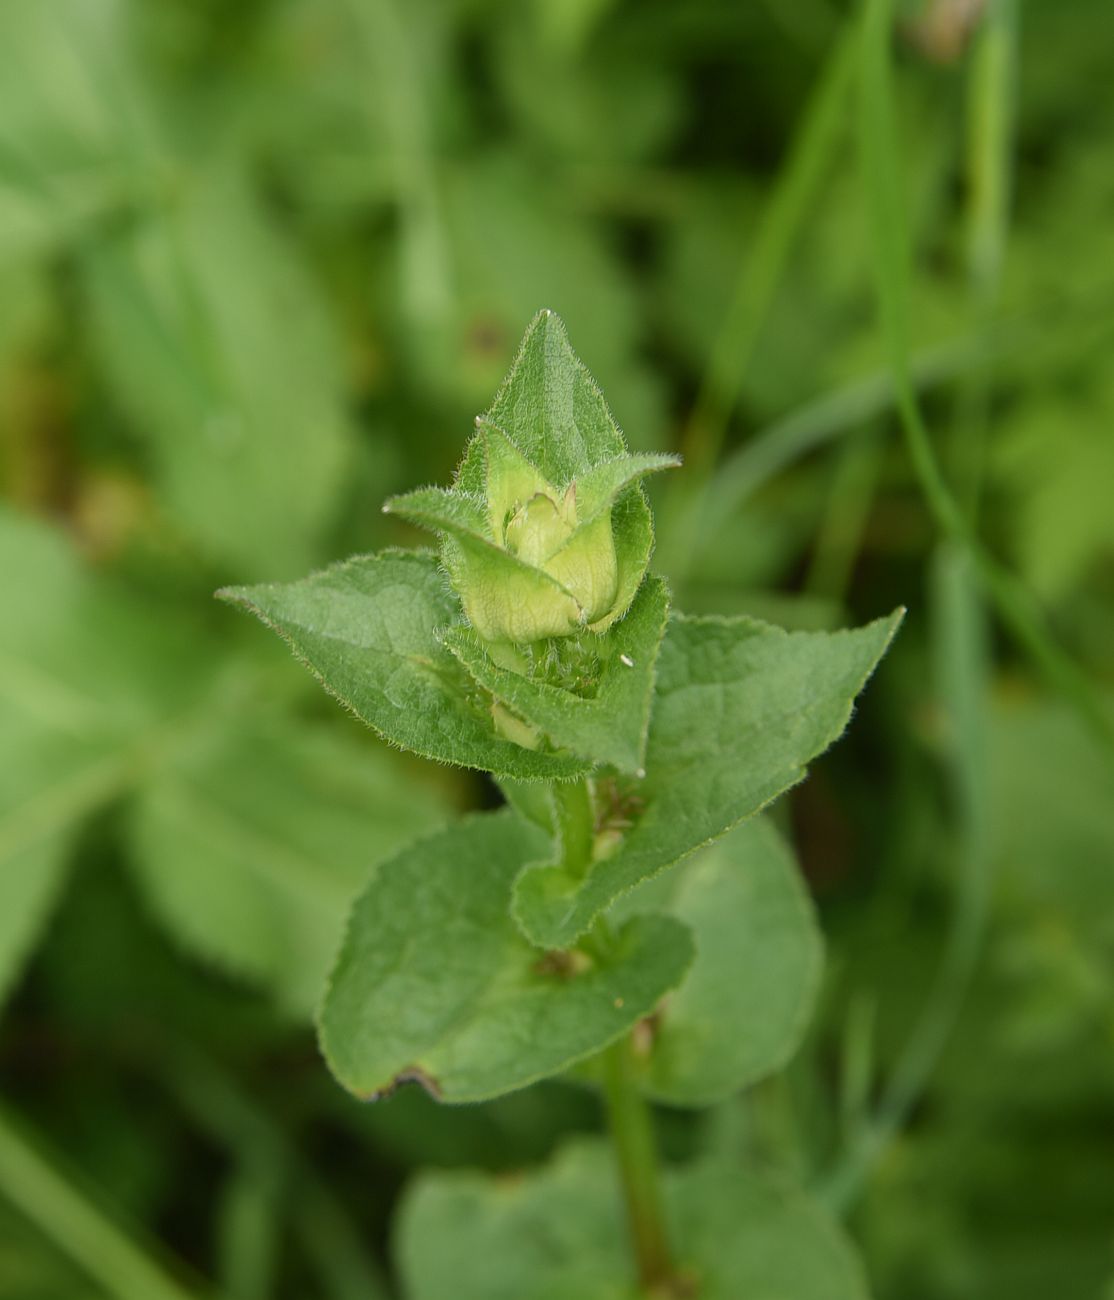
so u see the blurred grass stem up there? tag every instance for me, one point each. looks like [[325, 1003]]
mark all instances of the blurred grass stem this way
[[878, 138], [990, 149], [759, 275], [76, 1226], [961, 663]]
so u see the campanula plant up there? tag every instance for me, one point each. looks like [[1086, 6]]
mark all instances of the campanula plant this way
[[541, 939]]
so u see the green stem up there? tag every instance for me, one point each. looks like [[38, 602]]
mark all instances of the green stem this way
[[633, 1134], [576, 824], [629, 1117], [76, 1226]]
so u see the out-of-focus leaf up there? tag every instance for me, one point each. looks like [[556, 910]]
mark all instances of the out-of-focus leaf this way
[[740, 707], [31, 1270], [744, 1005], [74, 137], [515, 246], [46, 789], [218, 344], [1053, 796], [560, 1234], [87, 678], [1060, 465], [434, 984], [604, 104], [252, 843]]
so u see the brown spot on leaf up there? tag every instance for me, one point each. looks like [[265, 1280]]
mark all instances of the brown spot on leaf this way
[[647, 1029], [413, 1074], [563, 963]]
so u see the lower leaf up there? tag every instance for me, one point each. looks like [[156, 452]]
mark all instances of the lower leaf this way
[[560, 1234], [434, 984]]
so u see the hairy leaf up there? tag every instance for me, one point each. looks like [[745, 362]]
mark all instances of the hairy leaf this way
[[598, 489], [739, 709], [435, 984], [367, 629], [551, 408], [609, 723]]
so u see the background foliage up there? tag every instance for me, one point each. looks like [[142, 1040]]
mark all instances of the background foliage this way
[[260, 266]]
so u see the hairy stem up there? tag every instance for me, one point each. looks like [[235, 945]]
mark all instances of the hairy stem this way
[[633, 1135], [575, 824]]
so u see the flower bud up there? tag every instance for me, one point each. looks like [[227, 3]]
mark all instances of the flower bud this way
[[556, 573], [535, 559]]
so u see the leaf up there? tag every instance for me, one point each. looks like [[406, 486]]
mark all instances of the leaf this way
[[251, 845], [69, 99], [551, 408], [88, 678], [532, 800], [744, 1006], [33, 1269], [560, 1233], [367, 629], [46, 789], [435, 984], [79, 655], [600, 486], [442, 510], [739, 709], [607, 726], [218, 344]]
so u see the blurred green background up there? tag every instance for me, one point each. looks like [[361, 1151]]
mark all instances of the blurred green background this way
[[260, 265]]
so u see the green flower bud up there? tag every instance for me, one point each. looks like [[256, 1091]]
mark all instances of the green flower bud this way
[[546, 532], [535, 559], [564, 575]]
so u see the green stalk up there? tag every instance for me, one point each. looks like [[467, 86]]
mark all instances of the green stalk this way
[[633, 1135], [76, 1226], [629, 1118], [576, 825]]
